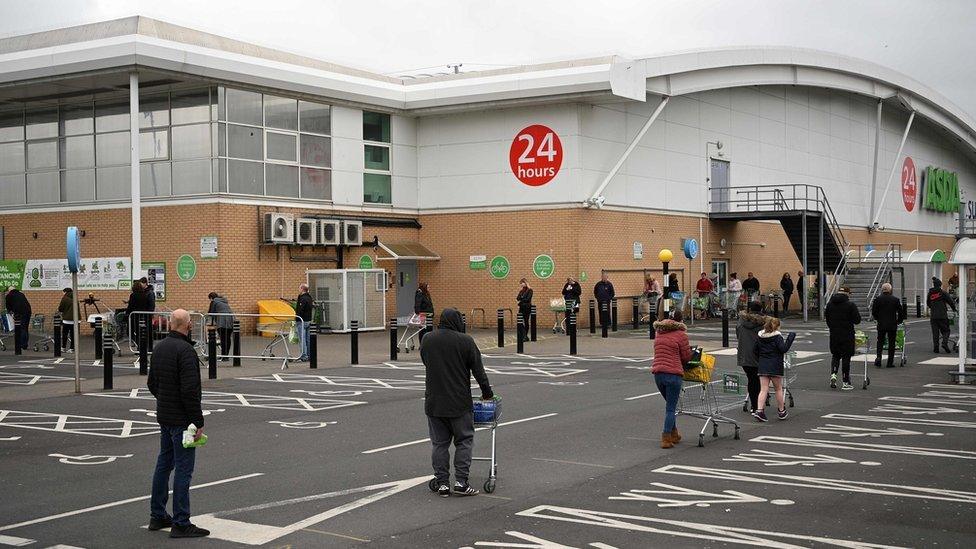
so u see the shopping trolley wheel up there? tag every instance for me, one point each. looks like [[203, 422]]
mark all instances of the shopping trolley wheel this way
[[866, 383], [745, 406], [36, 347], [46, 348], [715, 430], [903, 361], [791, 401], [736, 435], [489, 486], [701, 440], [432, 484]]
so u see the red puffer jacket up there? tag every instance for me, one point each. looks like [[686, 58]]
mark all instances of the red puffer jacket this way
[[671, 347]]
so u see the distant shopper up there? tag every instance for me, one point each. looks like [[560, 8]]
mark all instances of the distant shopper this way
[[939, 303], [786, 285], [304, 305], [151, 290], [953, 283], [571, 293], [747, 331], [139, 307], [704, 286], [673, 283], [174, 379], [20, 307], [671, 351], [66, 308], [735, 285], [223, 319], [887, 312], [652, 288], [524, 300], [450, 358], [771, 351], [801, 295], [604, 293], [751, 285], [422, 303], [841, 315]]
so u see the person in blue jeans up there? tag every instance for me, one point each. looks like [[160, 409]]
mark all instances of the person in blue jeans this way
[[671, 351], [174, 379], [303, 310]]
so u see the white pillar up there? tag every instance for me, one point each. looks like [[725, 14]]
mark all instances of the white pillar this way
[[963, 331], [134, 164]]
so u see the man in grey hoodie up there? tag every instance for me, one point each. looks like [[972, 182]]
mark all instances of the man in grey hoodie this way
[[747, 336]]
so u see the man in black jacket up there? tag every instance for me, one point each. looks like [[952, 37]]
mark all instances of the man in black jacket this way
[[174, 379], [20, 307], [303, 310], [887, 312], [450, 358], [939, 303], [604, 293], [750, 285]]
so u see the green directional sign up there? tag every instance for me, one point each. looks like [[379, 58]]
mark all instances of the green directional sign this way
[[500, 267], [543, 266], [365, 262], [186, 268]]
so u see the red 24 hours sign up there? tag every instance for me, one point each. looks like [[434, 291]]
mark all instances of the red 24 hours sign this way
[[909, 186], [536, 155]]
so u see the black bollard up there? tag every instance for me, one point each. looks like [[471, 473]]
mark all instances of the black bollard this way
[[313, 346], [108, 349], [143, 344], [603, 314], [613, 314], [18, 334], [532, 323], [354, 342], [501, 327], [918, 306], [520, 335], [725, 327], [571, 328], [636, 312], [775, 308], [904, 307], [592, 316], [394, 347], [211, 352], [57, 335], [236, 343], [464, 323], [98, 338]]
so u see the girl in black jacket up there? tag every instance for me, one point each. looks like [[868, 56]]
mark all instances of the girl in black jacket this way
[[770, 351], [524, 299]]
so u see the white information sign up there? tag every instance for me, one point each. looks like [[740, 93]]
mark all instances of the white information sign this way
[[638, 250], [208, 247]]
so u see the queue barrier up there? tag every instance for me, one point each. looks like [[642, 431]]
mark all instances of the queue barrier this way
[[280, 325]]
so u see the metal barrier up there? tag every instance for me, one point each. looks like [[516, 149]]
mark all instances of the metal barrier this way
[[198, 335], [277, 324], [484, 316]]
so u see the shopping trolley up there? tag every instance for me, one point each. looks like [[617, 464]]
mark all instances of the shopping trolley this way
[[415, 324], [6, 329], [678, 301], [486, 414], [558, 306], [700, 397], [862, 345], [729, 301], [953, 338], [701, 305], [900, 346], [37, 330], [280, 329]]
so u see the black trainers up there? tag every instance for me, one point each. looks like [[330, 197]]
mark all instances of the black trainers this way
[[444, 491], [464, 489], [761, 416], [783, 414], [188, 531], [159, 523]]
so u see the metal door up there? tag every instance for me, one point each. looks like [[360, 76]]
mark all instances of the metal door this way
[[721, 268], [719, 183], [406, 285]]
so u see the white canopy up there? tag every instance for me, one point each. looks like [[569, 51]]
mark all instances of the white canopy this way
[[964, 252]]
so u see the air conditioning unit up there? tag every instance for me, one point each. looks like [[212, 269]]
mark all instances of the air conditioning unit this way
[[279, 228], [305, 230], [329, 232], [352, 233]]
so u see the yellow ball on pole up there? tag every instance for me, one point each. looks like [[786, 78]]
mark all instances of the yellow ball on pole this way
[[665, 256]]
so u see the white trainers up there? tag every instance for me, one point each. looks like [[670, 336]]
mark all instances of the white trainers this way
[[464, 489], [847, 387]]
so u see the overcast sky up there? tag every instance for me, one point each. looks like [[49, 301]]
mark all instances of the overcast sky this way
[[933, 41]]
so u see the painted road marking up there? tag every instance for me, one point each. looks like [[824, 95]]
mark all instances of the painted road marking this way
[[950, 395], [13, 378], [864, 447], [534, 543], [25, 367], [215, 398], [260, 534], [679, 528], [116, 504], [776, 459], [531, 369], [924, 400], [423, 440], [303, 424], [77, 425], [364, 382], [9, 439], [836, 484], [87, 459], [943, 361], [678, 497], [910, 421], [732, 351], [15, 541], [846, 431], [573, 463], [949, 386], [917, 410]]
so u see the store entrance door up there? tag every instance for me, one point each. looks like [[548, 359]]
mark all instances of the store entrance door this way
[[721, 268], [719, 183], [406, 288]]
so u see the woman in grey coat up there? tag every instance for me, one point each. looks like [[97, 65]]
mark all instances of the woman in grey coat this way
[[747, 336], [223, 320]]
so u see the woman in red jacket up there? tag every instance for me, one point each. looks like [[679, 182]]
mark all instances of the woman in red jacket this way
[[671, 351]]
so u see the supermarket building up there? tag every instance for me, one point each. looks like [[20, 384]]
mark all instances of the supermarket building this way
[[467, 181]]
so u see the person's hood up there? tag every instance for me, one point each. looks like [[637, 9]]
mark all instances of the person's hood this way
[[668, 325], [839, 298], [221, 299], [936, 282], [451, 320], [764, 334], [751, 320]]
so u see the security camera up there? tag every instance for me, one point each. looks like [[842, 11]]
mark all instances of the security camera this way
[[600, 201]]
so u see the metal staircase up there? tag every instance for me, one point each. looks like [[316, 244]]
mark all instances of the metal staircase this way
[[865, 277]]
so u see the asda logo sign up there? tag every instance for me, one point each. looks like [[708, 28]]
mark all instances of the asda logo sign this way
[[941, 188]]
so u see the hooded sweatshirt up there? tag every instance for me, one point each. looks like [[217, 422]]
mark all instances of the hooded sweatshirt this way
[[747, 335], [939, 301], [450, 358], [671, 348], [841, 315]]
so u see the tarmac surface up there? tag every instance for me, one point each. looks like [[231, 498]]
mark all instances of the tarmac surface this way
[[338, 456]]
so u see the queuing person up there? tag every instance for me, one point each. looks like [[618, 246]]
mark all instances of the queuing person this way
[[304, 304], [938, 302], [841, 315], [524, 299], [735, 285], [747, 331], [138, 308], [19, 306], [174, 379], [223, 319], [771, 350], [673, 283], [887, 312], [671, 351], [786, 285], [151, 290], [953, 283], [66, 308], [801, 296], [603, 292], [704, 286], [571, 294], [422, 303], [652, 288], [751, 285], [450, 358]]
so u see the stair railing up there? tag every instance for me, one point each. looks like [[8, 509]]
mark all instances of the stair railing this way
[[839, 273], [880, 274]]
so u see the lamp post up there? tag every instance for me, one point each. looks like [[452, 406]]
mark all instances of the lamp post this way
[[665, 256]]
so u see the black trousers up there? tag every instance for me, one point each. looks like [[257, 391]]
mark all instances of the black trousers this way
[[889, 335], [753, 386], [940, 327], [444, 430], [786, 302], [225, 338], [844, 362], [67, 332]]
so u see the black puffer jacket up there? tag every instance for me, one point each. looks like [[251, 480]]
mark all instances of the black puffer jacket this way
[[18, 305], [841, 315], [887, 312], [422, 303], [450, 358], [747, 336], [174, 379]]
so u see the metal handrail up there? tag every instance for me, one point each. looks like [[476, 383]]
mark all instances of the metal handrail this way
[[878, 277]]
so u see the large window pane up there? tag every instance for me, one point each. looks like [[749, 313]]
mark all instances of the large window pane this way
[[154, 145], [78, 152], [282, 180], [154, 179], [112, 149], [220, 174], [78, 186], [192, 106], [244, 107], [42, 154], [12, 125], [42, 123], [316, 151], [245, 177], [192, 177], [316, 184], [77, 119], [376, 127], [315, 117], [112, 116], [43, 188], [280, 112], [376, 188], [154, 111], [377, 158], [191, 141], [220, 134], [113, 183], [245, 142], [12, 190], [12, 157], [282, 147]]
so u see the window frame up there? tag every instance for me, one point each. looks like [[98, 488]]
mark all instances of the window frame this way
[[381, 144]]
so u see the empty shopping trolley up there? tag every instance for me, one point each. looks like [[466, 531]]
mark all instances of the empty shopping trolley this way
[[705, 399]]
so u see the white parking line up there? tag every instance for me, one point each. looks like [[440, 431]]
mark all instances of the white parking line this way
[[421, 441]]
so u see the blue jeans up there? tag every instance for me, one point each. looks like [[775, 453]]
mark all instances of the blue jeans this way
[[670, 387], [172, 453], [302, 328]]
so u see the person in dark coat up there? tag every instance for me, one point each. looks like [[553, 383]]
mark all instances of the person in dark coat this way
[[750, 285], [174, 379], [524, 299], [939, 303], [887, 312], [450, 358], [304, 306], [139, 307], [223, 318], [673, 283], [747, 336], [20, 307], [151, 290], [770, 352], [786, 284], [422, 303], [841, 315], [66, 308], [572, 292], [604, 293], [801, 296]]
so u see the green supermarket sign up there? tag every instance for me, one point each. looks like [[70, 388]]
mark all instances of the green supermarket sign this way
[[543, 266], [941, 190], [186, 268], [365, 262], [500, 267]]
